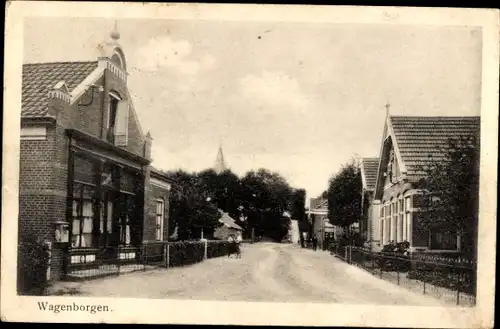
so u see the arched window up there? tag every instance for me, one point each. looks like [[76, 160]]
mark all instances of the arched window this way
[[117, 60]]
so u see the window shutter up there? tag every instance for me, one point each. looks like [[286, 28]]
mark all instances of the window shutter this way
[[121, 128]]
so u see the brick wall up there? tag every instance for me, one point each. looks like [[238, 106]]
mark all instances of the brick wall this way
[[42, 189], [92, 119], [153, 193]]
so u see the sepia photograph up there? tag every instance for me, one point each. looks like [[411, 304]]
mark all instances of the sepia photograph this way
[[246, 160]]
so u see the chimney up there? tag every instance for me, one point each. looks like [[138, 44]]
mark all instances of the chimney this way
[[147, 146]]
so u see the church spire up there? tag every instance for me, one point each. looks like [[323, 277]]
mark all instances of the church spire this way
[[220, 165]]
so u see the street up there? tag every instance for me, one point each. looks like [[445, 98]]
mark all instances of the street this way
[[266, 272]]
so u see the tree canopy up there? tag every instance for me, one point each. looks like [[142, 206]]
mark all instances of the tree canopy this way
[[257, 202], [451, 186], [344, 196]]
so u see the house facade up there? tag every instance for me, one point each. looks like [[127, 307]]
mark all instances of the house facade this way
[[87, 187], [409, 143], [321, 227], [369, 227], [228, 228]]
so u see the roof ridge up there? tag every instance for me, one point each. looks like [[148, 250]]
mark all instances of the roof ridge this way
[[435, 116], [61, 62]]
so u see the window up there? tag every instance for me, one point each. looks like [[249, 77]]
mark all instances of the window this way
[[160, 209], [401, 222], [113, 108], [387, 225], [382, 231], [407, 219], [82, 216], [381, 221], [442, 240], [394, 233], [126, 219]]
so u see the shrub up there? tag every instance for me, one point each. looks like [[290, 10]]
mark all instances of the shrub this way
[[189, 252], [395, 256], [32, 267], [401, 248]]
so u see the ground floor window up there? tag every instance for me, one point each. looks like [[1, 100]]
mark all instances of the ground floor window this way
[[443, 240], [105, 208], [160, 210], [128, 203], [82, 220], [382, 230]]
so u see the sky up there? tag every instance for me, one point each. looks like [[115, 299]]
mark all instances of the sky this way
[[300, 99]]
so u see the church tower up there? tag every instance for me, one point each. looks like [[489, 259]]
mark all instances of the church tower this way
[[220, 165]]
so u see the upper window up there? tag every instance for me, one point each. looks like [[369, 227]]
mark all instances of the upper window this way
[[117, 60], [118, 117], [114, 99]]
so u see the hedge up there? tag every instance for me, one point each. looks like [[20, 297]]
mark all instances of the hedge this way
[[183, 252], [32, 266]]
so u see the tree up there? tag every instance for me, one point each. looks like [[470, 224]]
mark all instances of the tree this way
[[190, 211], [344, 196], [266, 196], [451, 186]]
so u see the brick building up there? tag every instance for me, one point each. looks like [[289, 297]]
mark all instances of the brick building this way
[[410, 142], [85, 173], [369, 229]]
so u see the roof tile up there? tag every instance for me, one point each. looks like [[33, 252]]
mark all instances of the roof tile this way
[[421, 139], [39, 78], [370, 168]]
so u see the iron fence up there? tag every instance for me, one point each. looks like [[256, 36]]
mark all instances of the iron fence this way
[[84, 264], [447, 277]]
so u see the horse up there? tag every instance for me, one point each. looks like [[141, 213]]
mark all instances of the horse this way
[[234, 248]]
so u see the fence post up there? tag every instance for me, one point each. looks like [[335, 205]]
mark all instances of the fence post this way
[[118, 261], [345, 255], [206, 249], [165, 255], [424, 284], [458, 288], [168, 255], [350, 254], [381, 264], [397, 269], [145, 257]]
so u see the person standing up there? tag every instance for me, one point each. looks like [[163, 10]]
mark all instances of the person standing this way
[[315, 243], [239, 239], [231, 245]]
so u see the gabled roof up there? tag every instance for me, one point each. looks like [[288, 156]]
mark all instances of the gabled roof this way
[[417, 138], [39, 78], [229, 222], [369, 167], [160, 175]]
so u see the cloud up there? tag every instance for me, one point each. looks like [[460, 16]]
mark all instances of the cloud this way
[[274, 88], [164, 52]]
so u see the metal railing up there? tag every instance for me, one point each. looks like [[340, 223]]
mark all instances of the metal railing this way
[[84, 264], [447, 277]]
